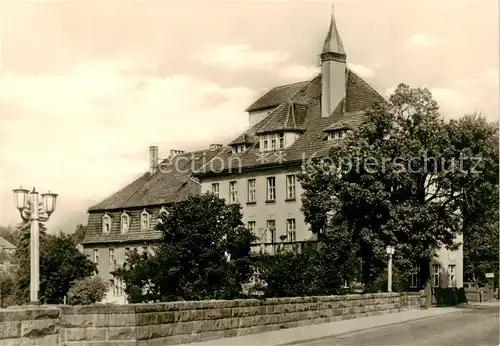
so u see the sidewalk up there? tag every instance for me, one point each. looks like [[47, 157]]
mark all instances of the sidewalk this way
[[315, 331]]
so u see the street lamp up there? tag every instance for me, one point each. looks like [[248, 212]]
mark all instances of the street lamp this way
[[390, 251], [33, 211]]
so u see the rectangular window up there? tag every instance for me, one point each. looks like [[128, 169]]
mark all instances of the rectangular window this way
[[274, 143], [251, 190], [111, 256], [281, 140], [271, 226], [451, 275], [271, 189], [233, 192], [96, 256], [251, 226], [265, 143], [290, 186], [435, 274], [290, 229], [415, 277], [215, 189]]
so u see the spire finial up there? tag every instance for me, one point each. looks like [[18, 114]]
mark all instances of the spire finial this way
[[333, 42]]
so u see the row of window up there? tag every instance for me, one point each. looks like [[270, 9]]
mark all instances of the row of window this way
[[435, 276], [268, 234], [111, 254], [125, 221], [252, 189]]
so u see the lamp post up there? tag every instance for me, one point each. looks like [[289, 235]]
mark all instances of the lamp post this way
[[390, 251], [33, 210]]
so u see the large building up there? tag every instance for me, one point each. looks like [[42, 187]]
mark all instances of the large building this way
[[287, 126]]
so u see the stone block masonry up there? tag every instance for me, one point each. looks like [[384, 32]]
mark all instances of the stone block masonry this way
[[185, 322]]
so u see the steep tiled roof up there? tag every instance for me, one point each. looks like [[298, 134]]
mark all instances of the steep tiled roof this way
[[288, 116], [170, 183], [338, 126], [276, 96], [359, 97]]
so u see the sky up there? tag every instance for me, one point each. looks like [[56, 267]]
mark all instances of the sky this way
[[87, 86]]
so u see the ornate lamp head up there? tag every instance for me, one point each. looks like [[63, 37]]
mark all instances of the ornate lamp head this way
[[49, 202], [21, 198]]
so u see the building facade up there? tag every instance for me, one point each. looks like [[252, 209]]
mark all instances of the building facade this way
[[288, 126], [126, 221]]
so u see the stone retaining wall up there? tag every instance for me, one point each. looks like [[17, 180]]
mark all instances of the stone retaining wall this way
[[183, 322]]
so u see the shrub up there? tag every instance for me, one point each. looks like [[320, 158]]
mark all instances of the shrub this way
[[87, 291]]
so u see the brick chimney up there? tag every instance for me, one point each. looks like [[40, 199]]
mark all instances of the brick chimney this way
[[153, 159]]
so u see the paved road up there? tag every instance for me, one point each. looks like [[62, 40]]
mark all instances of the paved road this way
[[472, 326]]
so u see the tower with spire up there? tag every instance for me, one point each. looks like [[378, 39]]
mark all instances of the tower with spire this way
[[333, 70]]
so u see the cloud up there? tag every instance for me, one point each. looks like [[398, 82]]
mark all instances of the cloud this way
[[362, 71], [421, 40], [95, 126], [241, 57]]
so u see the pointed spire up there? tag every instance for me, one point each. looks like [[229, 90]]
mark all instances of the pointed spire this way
[[333, 42]]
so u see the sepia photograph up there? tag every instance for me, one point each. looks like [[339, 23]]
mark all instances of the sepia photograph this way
[[244, 172]]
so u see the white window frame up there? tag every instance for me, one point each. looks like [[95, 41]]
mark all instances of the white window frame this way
[[240, 148], [106, 221], [252, 190], [145, 220], [452, 279], [233, 191], [290, 186], [336, 135], [271, 226], [291, 230], [216, 189], [435, 274], [271, 189], [96, 256], [124, 225]]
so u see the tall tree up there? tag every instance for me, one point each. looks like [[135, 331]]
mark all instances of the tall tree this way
[[474, 136], [205, 254], [60, 264], [396, 180]]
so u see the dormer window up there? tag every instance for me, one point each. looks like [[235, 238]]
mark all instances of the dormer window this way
[[145, 218], [162, 213], [106, 224], [335, 135], [272, 141], [125, 222], [240, 148]]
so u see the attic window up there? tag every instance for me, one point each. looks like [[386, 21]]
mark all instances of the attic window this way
[[272, 141], [240, 148], [106, 224], [145, 218], [335, 135], [125, 222]]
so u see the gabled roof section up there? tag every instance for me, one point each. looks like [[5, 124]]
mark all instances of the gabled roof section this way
[[289, 116], [243, 139], [276, 96], [338, 126], [171, 183], [349, 112]]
